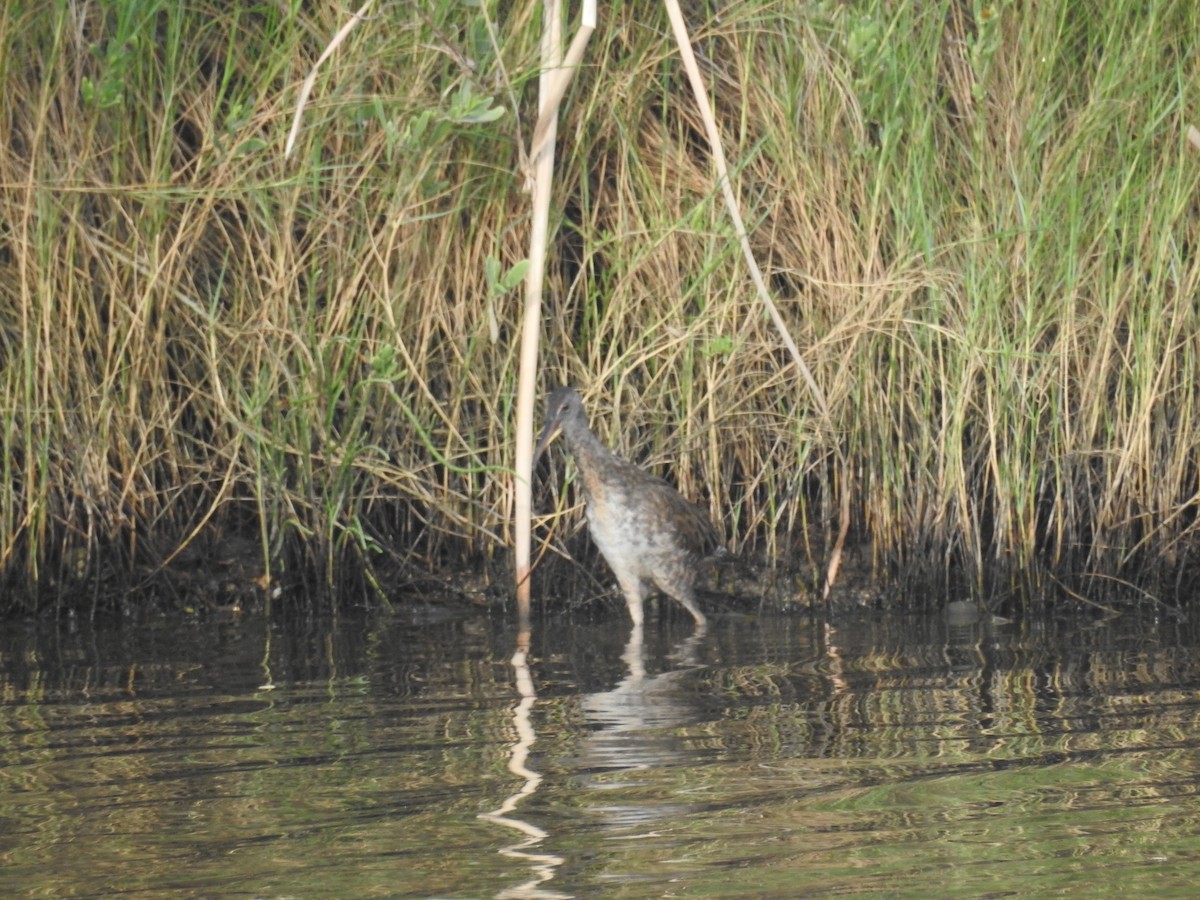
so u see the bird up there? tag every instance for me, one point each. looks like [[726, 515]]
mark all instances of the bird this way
[[648, 534]]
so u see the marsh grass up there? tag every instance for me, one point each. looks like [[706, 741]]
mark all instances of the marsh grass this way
[[979, 219]]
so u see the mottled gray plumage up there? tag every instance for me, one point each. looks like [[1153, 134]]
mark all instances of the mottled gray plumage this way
[[648, 534]]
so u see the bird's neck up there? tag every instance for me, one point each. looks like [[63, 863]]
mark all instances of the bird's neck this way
[[591, 456]]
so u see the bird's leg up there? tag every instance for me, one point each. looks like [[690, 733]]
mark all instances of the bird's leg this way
[[685, 597], [632, 589]]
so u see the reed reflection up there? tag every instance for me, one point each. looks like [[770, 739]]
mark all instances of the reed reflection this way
[[542, 865]]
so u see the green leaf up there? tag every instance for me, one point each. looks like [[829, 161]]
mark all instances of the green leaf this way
[[515, 275]]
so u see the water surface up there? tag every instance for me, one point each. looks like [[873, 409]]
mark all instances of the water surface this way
[[431, 753]]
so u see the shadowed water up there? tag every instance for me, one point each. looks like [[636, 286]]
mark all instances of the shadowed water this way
[[440, 754]]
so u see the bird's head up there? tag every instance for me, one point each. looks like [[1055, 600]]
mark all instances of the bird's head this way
[[562, 406]]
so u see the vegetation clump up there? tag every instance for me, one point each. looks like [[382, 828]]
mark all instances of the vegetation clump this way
[[980, 220]]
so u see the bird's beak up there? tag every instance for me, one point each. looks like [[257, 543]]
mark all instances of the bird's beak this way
[[550, 431]]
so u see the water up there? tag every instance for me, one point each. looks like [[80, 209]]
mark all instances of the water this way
[[777, 756]]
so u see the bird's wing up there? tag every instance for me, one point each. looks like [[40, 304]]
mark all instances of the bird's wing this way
[[691, 521]]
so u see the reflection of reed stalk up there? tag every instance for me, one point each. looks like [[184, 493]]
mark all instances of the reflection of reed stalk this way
[[543, 865]]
